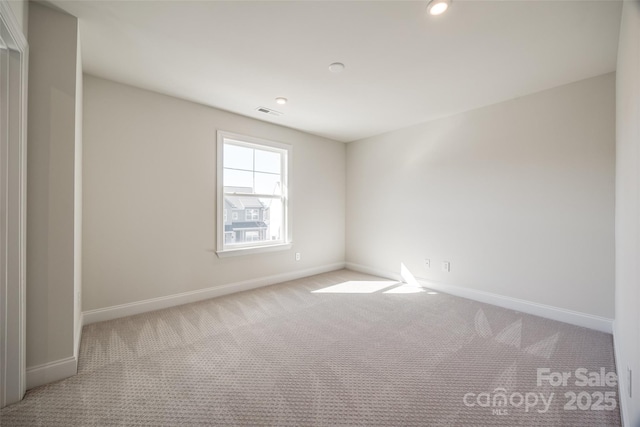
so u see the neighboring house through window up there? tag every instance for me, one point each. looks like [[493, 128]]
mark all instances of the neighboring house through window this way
[[253, 184], [253, 214]]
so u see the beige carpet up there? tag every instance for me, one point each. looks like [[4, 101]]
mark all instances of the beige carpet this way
[[356, 353]]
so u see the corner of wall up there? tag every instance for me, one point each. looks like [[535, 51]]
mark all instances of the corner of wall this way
[[53, 217], [627, 241], [52, 371], [585, 320], [77, 226]]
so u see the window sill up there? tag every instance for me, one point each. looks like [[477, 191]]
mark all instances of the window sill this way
[[253, 250]]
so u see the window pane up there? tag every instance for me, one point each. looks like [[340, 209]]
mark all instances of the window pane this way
[[253, 220], [267, 161], [237, 157], [274, 218], [241, 181], [267, 183]]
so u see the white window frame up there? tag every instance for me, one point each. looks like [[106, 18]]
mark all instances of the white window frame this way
[[252, 142]]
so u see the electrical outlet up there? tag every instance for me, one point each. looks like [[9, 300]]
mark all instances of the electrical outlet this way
[[446, 266], [297, 256], [427, 263]]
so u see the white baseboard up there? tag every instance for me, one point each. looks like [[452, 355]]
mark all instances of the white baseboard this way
[[622, 379], [78, 336], [598, 323], [373, 271], [58, 369], [52, 371], [129, 309]]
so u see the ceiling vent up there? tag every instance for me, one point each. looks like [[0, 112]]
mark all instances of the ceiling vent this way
[[269, 111]]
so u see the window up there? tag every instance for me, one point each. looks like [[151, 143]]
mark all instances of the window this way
[[253, 181], [252, 215]]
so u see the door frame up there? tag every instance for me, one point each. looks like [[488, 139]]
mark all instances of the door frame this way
[[13, 215]]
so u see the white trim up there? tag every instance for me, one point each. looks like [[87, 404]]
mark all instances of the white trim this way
[[254, 250], [129, 309], [373, 271], [13, 25], [622, 379], [78, 335], [52, 371], [585, 320], [286, 172], [13, 240], [251, 141]]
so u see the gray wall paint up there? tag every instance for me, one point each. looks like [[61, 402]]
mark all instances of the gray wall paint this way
[[77, 207], [21, 12], [627, 323], [518, 196], [50, 185], [149, 223]]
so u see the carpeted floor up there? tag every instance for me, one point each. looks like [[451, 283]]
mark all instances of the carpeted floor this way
[[340, 348]]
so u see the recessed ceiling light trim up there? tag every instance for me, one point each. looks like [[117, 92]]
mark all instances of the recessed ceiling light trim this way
[[438, 7], [280, 100]]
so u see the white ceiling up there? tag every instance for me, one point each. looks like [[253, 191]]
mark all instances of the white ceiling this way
[[402, 66]]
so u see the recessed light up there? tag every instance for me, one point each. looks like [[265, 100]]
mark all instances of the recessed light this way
[[280, 100], [438, 7], [336, 67]]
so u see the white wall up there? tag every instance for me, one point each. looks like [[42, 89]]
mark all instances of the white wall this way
[[149, 224], [518, 196], [51, 214], [627, 295]]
